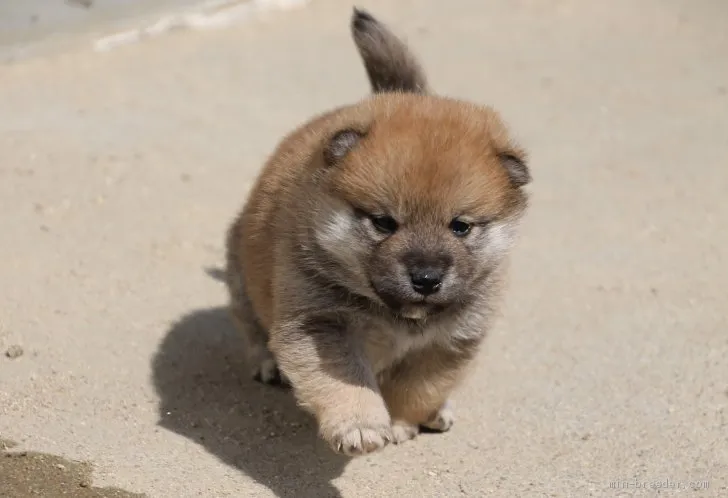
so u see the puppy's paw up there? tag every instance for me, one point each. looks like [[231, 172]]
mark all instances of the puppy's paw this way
[[359, 438], [442, 420], [267, 372], [403, 431], [358, 427]]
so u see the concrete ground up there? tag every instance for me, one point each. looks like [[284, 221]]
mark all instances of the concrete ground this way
[[606, 376]]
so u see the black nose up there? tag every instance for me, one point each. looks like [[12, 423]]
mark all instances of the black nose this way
[[426, 281]]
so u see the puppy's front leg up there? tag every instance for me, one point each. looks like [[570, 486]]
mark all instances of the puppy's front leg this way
[[332, 379], [417, 389]]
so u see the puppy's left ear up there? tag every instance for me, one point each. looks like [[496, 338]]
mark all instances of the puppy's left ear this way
[[514, 163], [340, 144]]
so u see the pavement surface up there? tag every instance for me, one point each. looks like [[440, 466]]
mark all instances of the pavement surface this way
[[607, 374]]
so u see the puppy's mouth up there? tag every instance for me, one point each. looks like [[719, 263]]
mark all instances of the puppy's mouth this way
[[422, 310], [408, 307], [411, 310]]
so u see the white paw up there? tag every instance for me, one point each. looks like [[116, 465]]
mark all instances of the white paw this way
[[402, 432], [442, 420], [360, 439], [267, 372]]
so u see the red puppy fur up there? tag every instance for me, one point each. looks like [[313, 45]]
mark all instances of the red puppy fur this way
[[367, 263]]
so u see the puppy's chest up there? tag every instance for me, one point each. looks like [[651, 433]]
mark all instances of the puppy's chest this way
[[385, 344]]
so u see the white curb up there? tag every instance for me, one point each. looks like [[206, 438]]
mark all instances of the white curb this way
[[210, 15]]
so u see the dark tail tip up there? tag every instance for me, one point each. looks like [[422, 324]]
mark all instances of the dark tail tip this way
[[388, 61], [361, 18]]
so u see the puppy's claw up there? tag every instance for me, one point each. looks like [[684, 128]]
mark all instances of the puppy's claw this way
[[358, 441]]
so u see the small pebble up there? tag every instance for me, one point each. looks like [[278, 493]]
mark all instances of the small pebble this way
[[14, 352], [84, 484], [86, 4], [60, 466]]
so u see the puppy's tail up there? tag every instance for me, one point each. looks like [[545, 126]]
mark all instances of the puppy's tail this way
[[390, 65]]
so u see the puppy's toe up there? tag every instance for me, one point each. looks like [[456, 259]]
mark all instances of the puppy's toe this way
[[267, 372], [442, 420], [360, 440], [402, 432], [285, 381]]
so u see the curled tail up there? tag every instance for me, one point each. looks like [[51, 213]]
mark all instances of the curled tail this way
[[390, 65]]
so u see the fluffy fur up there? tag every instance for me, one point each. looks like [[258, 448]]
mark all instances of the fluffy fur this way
[[367, 262]]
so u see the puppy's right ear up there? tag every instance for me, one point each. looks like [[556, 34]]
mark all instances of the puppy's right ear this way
[[340, 144]]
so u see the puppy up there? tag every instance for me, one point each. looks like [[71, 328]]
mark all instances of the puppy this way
[[366, 265]]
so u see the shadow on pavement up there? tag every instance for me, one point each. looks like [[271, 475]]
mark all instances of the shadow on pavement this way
[[208, 397]]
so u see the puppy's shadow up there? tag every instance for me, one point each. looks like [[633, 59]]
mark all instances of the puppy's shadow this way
[[207, 396]]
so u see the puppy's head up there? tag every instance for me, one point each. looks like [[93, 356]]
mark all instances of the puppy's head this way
[[416, 207]]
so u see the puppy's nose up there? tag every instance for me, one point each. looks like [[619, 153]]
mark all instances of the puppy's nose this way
[[426, 281]]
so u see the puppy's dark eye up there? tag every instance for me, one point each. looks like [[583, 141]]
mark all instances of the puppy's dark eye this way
[[385, 224], [460, 228]]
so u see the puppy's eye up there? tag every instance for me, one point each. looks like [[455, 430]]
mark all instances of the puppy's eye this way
[[460, 228], [385, 224]]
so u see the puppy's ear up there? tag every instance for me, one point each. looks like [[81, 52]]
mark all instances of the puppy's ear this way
[[340, 144], [514, 163]]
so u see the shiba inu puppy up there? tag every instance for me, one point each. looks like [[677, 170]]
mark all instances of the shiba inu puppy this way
[[367, 263]]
